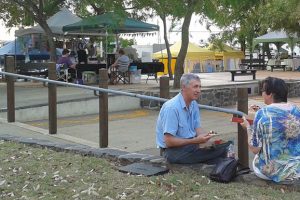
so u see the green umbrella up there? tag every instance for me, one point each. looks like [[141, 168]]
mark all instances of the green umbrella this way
[[110, 22]]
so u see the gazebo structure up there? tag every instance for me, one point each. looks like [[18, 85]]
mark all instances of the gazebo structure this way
[[278, 38], [109, 23]]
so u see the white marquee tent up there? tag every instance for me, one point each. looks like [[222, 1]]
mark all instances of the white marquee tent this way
[[55, 22]]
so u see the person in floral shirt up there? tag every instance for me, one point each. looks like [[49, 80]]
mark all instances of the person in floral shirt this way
[[275, 135]]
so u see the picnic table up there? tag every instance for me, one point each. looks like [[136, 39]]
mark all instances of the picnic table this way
[[277, 66], [242, 72]]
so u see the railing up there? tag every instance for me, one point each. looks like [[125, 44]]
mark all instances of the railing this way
[[103, 102]]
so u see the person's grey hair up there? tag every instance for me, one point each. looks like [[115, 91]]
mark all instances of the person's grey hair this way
[[187, 78]]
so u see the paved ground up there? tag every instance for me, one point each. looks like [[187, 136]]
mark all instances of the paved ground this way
[[133, 131], [29, 93]]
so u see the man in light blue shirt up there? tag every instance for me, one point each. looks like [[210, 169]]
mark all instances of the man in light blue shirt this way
[[178, 129]]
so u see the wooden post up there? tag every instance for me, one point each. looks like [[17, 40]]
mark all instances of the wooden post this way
[[164, 87], [52, 99], [251, 60], [10, 84], [103, 109], [164, 92], [242, 105]]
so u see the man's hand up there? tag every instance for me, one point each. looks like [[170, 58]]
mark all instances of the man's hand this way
[[245, 124], [254, 108], [200, 139], [172, 141]]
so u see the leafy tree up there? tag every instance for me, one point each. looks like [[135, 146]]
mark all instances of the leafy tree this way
[[239, 20], [86, 8], [247, 19], [281, 14], [163, 10], [185, 10], [25, 12], [178, 10], [126, 42]]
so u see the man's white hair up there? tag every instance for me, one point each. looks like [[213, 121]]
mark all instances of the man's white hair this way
[[186, 79]]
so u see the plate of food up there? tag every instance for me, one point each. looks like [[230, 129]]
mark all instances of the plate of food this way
[[212, 133]]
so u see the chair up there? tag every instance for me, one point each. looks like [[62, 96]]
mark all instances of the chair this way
[[63, 73], [120, 73]]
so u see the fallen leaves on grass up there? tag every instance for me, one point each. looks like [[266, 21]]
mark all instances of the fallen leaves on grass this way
[[2, 182], [90, 191]]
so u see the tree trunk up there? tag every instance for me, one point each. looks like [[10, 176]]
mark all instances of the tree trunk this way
[[50, 39], [243, 45], [167, 47], [184, 46]]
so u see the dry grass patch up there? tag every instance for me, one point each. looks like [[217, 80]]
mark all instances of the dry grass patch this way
[[35, 173]]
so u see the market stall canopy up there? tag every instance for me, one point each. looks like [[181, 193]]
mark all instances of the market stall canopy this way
[[230, 57], [277, 36], [194, 52], [226, 52], [110, 22], [11, 48], [55, 22]]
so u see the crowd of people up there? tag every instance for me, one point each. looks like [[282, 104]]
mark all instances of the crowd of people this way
[[121, 63]]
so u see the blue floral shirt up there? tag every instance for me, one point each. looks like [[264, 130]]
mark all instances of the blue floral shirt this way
[[277, 131]]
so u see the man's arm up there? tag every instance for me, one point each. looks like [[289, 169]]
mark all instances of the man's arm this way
[[201, 131], [71, 64], [115, 63], [172, 141]]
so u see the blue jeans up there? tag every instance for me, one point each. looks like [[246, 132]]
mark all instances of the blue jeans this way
[[191, 154]]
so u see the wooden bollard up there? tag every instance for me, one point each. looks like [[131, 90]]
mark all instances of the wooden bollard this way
[[164, 92], [10, 84], [103, 109], [164, 87], [242, 105], [52, 99]]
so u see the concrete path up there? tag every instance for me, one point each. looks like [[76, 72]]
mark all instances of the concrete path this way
[[133, 131]]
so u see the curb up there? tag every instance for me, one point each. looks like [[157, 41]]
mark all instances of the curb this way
[[110, 153]]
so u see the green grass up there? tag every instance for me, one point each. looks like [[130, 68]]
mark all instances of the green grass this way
[[34, 173]]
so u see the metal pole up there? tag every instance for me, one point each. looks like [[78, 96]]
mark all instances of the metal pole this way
[[52, 99], [10, 67], [242, 105], [103, 109]]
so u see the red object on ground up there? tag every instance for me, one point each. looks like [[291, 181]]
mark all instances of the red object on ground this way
[[220, 141], [240, 120]]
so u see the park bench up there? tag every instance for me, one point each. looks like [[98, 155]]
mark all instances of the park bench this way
[[255, 63], [242, 72], [277, 66]]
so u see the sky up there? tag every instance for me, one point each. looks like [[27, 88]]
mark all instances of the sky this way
[[198, 32], [5, 34]]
